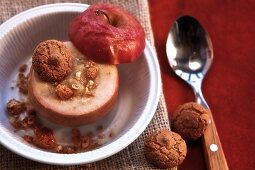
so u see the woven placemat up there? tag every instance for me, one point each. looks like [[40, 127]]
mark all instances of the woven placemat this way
[[131, 157]]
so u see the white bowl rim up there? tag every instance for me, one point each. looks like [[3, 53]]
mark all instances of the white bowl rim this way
[[95, 155]]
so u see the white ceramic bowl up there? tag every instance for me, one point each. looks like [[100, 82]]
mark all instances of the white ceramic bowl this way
[[138, 96]]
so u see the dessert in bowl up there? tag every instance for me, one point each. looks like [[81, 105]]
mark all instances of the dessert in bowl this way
[[80, 92], [138, 94]]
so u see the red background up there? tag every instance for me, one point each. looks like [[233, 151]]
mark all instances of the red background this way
[[229, 85]]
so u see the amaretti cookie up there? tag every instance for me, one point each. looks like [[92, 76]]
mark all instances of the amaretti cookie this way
[[68, 89], [165, 149], [190, 120]]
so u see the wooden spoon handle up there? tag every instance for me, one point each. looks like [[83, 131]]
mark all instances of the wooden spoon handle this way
[[213, 151]]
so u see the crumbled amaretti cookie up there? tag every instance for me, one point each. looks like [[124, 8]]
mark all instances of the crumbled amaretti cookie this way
[[63, 92], [92, 70], [190, 120], [52, 60], [15, 107], [44, 138], [165, 149]]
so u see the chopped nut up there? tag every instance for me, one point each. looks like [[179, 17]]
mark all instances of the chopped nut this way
[[64, 92], [78, 75], [91, 84], [59, 148], [75, 86], [15, 107], [88, 92]]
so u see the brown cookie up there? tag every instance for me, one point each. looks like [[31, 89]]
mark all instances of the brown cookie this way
[[52, 60], [64, 92], [165, 149], [190, 120]]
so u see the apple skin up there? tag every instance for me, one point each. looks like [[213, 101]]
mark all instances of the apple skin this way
[[108, 34]]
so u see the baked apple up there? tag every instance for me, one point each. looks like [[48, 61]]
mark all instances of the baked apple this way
[[68, 89], [108, 33]]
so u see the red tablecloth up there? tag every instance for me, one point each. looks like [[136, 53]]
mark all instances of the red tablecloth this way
[[229, 85]]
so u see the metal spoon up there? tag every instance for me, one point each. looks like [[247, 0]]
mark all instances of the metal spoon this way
[[190, 55]]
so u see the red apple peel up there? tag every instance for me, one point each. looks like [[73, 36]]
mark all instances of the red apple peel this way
[[108, 34]]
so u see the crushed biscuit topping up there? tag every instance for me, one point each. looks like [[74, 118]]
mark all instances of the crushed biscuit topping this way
[[92, 69], [15, 107], [22, 83], [81, 82], [64, 92], [92, 72], [23, 117], [44, 138]]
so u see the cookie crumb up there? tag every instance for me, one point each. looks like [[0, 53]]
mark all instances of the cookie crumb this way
[[92, 72], [22, 68], [22, 83], [64, 92], [15, 107], [44, 138], [190, 120], [28, 121], [92, 69], [165, 149], [16, 123], [28, 138]]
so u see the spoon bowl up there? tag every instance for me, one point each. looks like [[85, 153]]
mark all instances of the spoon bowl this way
[[190, 55]]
